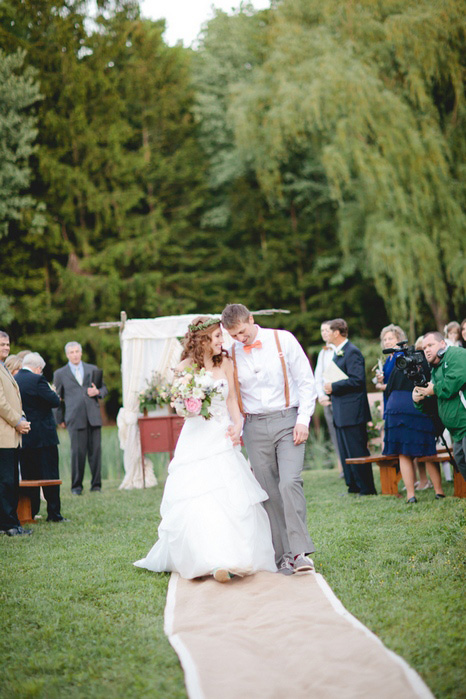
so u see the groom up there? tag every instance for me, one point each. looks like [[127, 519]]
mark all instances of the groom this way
[[276, 393]]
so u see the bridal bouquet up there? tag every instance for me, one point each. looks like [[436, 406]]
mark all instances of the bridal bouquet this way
[[192, 392]]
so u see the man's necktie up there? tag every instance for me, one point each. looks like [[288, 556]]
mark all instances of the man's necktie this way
[[257, 345], [77, 373]]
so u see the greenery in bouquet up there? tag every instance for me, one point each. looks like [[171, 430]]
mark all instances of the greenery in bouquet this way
[[192, 392], [157, 393]]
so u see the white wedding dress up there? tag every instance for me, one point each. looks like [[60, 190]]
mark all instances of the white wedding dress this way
[[211, 509]]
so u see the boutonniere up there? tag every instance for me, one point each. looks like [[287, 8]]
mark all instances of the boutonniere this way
[[340, 353]]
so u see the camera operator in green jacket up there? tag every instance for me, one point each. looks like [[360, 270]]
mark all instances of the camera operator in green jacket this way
[[448, 384]]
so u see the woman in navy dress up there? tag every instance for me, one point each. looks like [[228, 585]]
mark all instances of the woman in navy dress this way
[[408, 433]]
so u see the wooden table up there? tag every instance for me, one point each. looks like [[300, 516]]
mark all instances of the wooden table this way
[[159, 434]]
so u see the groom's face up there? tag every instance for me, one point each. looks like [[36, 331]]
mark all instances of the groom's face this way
[[244, 332]]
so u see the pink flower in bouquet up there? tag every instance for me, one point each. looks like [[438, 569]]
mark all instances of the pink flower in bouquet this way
[[193, 405]]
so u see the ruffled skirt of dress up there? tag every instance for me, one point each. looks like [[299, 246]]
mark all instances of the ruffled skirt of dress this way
[[407, 431], [212, 516]]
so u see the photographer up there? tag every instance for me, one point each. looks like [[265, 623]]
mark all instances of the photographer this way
[[448, 384], [408, 433]]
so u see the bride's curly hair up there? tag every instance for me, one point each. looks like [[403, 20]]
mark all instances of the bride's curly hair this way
[[196, 342]]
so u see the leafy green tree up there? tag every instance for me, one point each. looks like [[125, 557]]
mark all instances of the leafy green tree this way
[[375, 90], [279, 246]]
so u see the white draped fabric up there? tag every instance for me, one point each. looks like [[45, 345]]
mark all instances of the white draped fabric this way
[[147, 345]]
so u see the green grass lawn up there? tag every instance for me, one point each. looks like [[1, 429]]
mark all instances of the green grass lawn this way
[[78, 620]]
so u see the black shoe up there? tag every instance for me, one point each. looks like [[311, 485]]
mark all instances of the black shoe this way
[[76, 491], [439, 496], [96, 489], [411, 501], [18, 531], [57, 519]]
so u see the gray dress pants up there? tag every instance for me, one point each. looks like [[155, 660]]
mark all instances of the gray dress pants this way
[[85, 442], [277, 465]]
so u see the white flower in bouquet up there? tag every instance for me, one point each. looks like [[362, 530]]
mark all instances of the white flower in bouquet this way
[[205, 380], [198, 393]]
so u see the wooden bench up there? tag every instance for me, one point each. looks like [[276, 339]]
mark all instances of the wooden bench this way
[[389, 476], [24, 511], [442, 456]]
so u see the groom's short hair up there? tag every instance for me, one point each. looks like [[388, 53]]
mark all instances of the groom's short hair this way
[[234, 314]]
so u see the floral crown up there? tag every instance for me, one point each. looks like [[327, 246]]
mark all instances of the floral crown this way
[[203, 326]]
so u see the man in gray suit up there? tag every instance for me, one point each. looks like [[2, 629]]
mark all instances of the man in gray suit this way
[[80, 414]]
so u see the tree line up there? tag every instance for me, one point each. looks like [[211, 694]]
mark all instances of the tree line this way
[[309, 157]]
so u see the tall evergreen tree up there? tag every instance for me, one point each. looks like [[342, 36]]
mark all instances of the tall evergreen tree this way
[[19, 91]]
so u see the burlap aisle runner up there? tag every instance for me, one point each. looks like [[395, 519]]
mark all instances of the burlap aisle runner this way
[[268, 636]]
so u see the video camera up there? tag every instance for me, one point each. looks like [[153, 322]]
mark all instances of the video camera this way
[[412, 362]]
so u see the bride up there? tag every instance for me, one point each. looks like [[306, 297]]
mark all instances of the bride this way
[[213, 522]]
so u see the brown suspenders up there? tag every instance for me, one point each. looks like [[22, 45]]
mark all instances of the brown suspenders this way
[[285, 375], [235, 377]]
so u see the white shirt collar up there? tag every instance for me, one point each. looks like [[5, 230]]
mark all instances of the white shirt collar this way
[[340, 347]]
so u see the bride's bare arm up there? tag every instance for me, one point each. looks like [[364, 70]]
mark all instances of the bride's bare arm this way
[[234, 430]]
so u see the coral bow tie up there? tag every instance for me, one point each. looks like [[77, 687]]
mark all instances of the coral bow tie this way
[[257, 344]]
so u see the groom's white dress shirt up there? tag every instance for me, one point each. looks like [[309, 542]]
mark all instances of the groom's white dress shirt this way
[[261, 377]]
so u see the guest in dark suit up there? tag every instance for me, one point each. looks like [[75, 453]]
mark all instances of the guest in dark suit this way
[[38, 455], [350, 409], [13, 424], [81, 416]]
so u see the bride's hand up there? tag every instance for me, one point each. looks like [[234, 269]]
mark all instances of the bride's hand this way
[[234, 432]]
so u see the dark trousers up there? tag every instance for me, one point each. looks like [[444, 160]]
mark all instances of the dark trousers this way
[[352, 442], [41, 463], [85, 442], [9, 488]]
